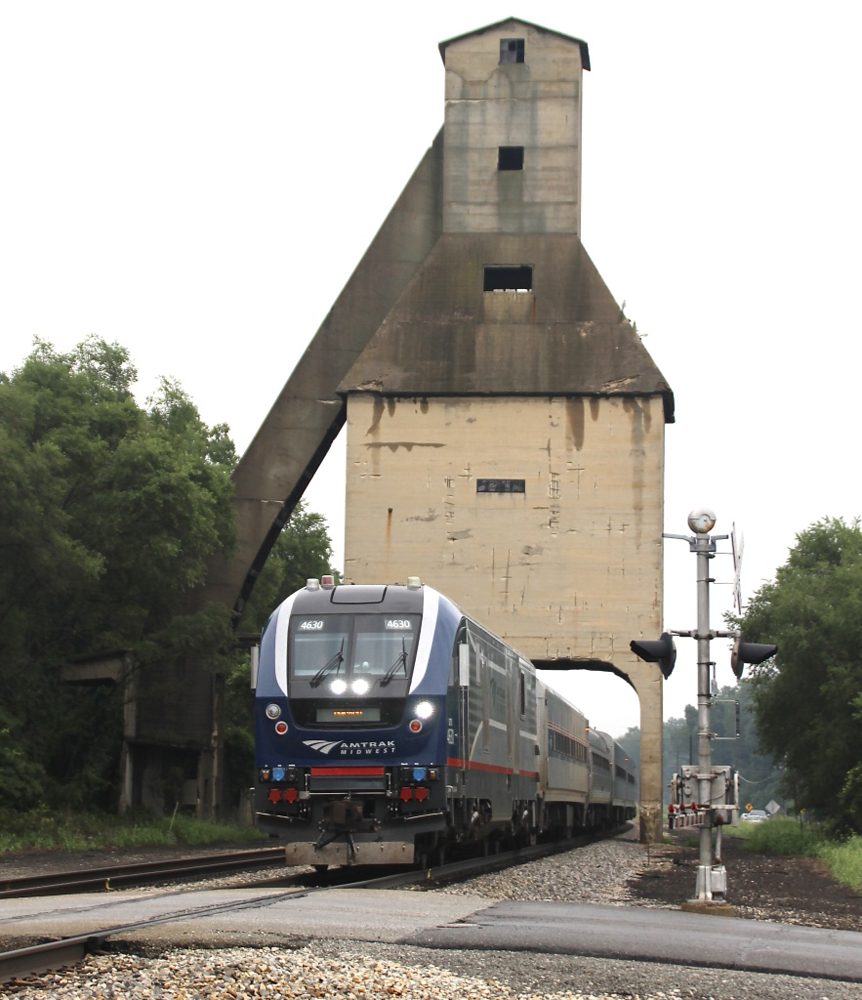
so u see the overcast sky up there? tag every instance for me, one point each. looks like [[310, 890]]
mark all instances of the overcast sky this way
[[198, 180]]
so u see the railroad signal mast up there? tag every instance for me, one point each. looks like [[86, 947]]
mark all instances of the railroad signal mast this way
[[713, 788]]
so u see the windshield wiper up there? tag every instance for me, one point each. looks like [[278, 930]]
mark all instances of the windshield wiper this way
[[400, 661], [334, 661]]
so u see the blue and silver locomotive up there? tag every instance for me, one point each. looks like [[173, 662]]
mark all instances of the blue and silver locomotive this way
[[391, 725]]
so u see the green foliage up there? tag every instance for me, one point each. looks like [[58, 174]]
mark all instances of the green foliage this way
[[108, 515], [809, 700], [781, 835], [844, 860], [41, 829]]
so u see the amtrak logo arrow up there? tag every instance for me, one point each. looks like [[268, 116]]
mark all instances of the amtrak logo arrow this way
[[323, 746]]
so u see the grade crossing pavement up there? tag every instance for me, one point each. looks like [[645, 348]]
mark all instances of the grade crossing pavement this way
[[438, 920]]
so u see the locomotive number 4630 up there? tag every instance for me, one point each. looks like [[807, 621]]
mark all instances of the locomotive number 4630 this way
[[311, 625], [398, 623]]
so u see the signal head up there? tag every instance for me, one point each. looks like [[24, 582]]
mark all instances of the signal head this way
[[661, 651], [749, 652]]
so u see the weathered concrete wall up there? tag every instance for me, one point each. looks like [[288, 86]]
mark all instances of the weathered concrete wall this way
[[569, 569], [535, 104], [567, 336]]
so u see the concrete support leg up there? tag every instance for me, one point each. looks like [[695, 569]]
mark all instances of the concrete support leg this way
[[647, 681]]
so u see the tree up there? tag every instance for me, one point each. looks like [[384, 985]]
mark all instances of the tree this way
[[302, 550], [108, 514], [808, 700]]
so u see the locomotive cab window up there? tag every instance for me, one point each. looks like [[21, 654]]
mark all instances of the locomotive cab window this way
[[350, 670]]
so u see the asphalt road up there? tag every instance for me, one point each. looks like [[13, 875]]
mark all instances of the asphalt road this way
[[447, 921]]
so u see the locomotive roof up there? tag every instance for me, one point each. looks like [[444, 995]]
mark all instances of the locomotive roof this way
[[389, 598]]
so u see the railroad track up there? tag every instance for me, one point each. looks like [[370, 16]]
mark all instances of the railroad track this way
[[116, 876]]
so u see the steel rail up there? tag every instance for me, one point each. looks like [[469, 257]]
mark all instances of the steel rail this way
[[36, 958], [111, 876]]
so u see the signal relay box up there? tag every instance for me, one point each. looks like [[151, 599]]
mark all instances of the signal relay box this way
[[723, 786]]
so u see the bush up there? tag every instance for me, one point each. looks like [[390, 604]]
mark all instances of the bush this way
[[781, 835]]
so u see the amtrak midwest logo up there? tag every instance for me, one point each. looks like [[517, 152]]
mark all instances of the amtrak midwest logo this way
[[363, 748]]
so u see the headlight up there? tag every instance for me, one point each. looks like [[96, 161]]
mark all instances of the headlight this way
[[273, 711], [360, 686], [338, 686], [424, 710]]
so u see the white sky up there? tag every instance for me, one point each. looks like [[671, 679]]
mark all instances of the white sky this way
[[197, 180]]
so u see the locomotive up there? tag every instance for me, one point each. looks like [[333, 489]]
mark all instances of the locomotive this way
[[390, 726]]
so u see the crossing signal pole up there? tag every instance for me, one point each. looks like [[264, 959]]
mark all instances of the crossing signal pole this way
[[711, 883]]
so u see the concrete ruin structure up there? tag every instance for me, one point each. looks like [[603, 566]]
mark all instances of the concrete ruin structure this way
[[505, 424]]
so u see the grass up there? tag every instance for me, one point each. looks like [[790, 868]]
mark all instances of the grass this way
[[785, 836], [41, 830], [845, 861]]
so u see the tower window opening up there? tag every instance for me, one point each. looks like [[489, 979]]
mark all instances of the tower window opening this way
[[510, 158], [511, 50], [509, 279]]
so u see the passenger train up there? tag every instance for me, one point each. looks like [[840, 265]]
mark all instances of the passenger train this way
[[391, 726]]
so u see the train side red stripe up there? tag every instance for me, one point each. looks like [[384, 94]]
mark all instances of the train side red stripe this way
[[477, 765]]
